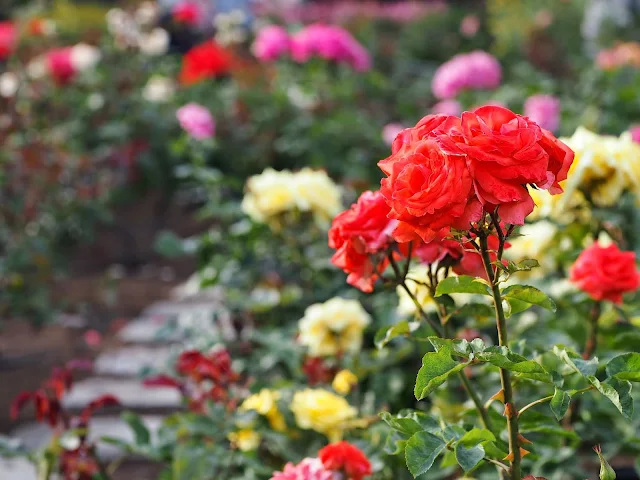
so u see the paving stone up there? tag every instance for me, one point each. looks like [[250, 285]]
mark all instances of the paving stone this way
[[17, 469], [131, 393], [36, 435], [131, 361], [149, 330]]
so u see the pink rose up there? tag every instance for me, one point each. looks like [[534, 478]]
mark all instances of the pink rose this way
[[466, 71], [447, 107], [390, 132], [196, 120], [544, 110]]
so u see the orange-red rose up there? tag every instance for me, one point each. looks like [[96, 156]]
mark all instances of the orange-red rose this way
[[347, 459], [427, 188], [505, 152], [446, 170], [605, 273], [360, 234]]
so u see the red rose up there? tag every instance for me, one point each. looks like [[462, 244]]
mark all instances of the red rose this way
[[441, 247], [203, 61], [605, 273], [504, 153], [345, 458], [358, 234], [427, 188], [187, 12]]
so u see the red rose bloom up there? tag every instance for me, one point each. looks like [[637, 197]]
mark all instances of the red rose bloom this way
[[441, 247], [207, 60], [358, 234], [504, 153], [605, 273], [187, 12], [345, 458]]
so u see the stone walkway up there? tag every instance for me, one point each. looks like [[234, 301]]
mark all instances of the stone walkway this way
[[149, 343]]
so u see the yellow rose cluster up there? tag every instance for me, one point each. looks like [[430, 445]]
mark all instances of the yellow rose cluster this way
[[265, 403], [324, 412], [333, 327], [604, 167], [273, 193]]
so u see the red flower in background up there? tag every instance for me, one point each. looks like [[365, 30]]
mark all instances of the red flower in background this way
[[605, 273], [317, 371], [347, 459], [471, 262], [187, 12], [202, 378], [8, 39], [207, 60]]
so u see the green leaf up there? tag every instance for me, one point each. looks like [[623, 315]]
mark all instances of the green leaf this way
[[421, 451], [625, 367], [525, 265], [476, 436], [502, 357], [469, 457], [618, 391], [521, 297], [386, 334], [476, 310], [408, 426], [462, 284], [141, 432], [436, 368], [585, 368], [560, 403]]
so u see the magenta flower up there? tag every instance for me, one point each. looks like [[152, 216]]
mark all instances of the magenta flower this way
[[196, 120], [331, 43], [635, 133], [307, 469], [271, 43], [447, 107], [544, 110], [466, 71], [391, 131]]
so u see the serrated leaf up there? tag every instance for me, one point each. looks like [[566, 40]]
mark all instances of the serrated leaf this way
[[617, 391], [406, 426], [462, 284], [436, 368], [386, 334], [421, 451], [585, 368], [525, 265], [560, 403], [518, 296], [469, 457], [504, 358], [474, 310], [625, 367]]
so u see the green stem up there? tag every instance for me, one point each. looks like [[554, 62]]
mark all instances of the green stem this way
[[533, 404], [592, 336], [505, 376]]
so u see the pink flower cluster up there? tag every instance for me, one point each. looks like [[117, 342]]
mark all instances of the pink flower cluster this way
[[271, 43], [330, 42], [544, 110], [635, 133], [466, 71], [307, 469], [196, 120]]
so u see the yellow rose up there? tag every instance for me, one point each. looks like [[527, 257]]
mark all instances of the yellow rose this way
[[604, 166], [333, 327], [265, 403], [317, 193], [246, 439], [344, 381], [269, 194], [324, 412]]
